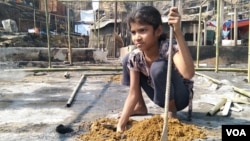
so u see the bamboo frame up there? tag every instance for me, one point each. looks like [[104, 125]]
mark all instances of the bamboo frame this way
[[199, 35], [218, 44]]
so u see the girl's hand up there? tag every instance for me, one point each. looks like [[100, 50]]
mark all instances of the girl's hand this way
[[174, 18], [120, 129]]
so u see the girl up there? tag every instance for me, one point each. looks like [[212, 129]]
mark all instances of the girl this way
[[146, 66]]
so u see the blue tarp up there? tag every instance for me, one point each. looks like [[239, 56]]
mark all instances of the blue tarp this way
[[83, 26]]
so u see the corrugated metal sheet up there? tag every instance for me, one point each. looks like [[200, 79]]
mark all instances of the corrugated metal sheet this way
[[104, 23]]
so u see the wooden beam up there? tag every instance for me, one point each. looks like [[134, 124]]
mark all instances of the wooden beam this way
[[108, 0]]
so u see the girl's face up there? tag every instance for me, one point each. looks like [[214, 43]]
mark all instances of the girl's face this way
[[144, 36]]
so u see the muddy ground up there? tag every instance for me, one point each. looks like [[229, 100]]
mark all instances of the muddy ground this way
[[33, 105]]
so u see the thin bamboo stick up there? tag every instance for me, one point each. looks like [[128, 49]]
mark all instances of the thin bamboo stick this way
[[241, 91], [47, 30], [249, 47], [70, 48], [222, 69], [70, 100], [218, 35], [210, 78], [85, 68], [111, 68], [80, 83]]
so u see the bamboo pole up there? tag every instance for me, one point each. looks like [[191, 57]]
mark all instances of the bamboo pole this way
[[47, 30], [210, 78], [69, 49], [85, 68], [217, 107], [241, 91], [98, 31], [222, 69], [248, 47], [80, 83], [70, 100], [218, 35], [34, 14], [110, 68], [115, 27], [235, 25]]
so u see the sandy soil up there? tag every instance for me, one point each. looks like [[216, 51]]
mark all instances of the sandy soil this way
[[149, 129]]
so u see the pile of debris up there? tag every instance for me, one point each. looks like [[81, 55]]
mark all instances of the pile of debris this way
[[8, 39]]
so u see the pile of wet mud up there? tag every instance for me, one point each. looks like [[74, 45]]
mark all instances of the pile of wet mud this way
[[148, 129]]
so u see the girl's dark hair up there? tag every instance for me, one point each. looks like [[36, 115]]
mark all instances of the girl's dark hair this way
[[146, 15]]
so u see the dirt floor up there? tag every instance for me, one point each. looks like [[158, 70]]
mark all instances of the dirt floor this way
[[33, 107]]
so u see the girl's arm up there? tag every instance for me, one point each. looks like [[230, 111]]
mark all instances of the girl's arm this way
[[131, 100], [182, 59]]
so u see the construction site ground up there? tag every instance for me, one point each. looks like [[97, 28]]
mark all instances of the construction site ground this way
[[33, 105]]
